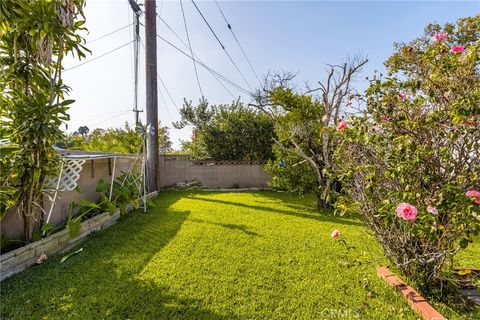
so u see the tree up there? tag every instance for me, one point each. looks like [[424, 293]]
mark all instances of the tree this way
[[411, 164], [83, 131], [126, 140], [198, 116], [303, 121], [34, 38], [228, 132]]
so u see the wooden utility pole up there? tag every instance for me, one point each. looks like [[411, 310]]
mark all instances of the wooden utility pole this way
[[151, 94]]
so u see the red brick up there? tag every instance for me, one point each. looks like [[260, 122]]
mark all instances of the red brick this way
[[416, 301]]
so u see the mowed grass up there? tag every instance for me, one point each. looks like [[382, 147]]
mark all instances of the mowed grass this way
[[199, 255]]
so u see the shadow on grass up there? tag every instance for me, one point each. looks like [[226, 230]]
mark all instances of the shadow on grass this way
[[104, 281], [243, 228], [314, 216]]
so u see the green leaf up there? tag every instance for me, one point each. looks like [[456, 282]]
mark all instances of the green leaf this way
[[88, 204], [47, 228], [73, 228], [65, 258], [102, 186]]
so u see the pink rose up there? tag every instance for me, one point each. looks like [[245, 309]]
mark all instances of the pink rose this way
[[335, 234], [457, 49], [475, 194], [402, 96], [406, 211], [432, 209], [440, 37], [341, 125]]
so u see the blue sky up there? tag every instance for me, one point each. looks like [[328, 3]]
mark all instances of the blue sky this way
[[277, 35]]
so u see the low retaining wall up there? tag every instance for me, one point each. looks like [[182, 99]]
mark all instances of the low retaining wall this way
[[18, 260]]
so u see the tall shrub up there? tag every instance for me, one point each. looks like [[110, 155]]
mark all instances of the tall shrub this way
[[35, 36], [302, 120], [411, 165]]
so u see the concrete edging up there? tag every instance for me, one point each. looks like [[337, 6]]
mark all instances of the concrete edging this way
[[416, 301], [17, 260]]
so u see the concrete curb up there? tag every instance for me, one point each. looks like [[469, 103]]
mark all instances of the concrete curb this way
[[416, 301]]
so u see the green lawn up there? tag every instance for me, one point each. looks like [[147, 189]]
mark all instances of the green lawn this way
[[200, 255]]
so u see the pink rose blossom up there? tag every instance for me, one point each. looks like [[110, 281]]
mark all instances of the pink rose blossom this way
[[402, 96], [440, 37], [432, 209], [475, 194], [341, 125], [335, 234], [457, 49], [406, 211]]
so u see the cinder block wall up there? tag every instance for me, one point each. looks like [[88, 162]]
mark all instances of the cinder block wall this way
[[219, 174]]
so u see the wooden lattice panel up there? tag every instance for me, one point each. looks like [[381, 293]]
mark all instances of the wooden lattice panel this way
[[70, 175]]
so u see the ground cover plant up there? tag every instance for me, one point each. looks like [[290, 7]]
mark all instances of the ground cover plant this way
[[201, 255]]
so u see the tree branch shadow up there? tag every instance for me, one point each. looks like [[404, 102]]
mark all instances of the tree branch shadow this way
[[293, 212]]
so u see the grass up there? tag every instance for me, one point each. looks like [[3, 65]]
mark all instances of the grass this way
[[199, 255]]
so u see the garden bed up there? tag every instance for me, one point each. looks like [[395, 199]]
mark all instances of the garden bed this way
[[17, 260]]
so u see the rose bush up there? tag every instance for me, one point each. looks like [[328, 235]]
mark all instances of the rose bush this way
[[411, 164]]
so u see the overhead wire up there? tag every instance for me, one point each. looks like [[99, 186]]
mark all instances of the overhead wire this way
[[229, 26], [190, 47], [163, 83], [195, 56], [225, 79], [116, 116], [100, 56], [110, 33], [223, 47], [99, 115]]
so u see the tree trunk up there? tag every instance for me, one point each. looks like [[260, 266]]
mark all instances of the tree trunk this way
[[322, 195]]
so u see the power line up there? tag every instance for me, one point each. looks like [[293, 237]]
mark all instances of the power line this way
[[238, 42], [165, 104], [110, 33], [223, 47], [100, 56], [231, 83], [195, 56], [97, 115], [190, 47], [163, 83], [118, 115]]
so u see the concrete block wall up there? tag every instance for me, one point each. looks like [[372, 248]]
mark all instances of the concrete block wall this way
[[212, 174]]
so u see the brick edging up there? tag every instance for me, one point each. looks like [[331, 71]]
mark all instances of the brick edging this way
[[416, 301], [17, 260]]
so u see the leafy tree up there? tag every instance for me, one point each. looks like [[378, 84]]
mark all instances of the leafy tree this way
[[122, 140], [290, 172], [229, 132], [34, 38], [199, 116], [83, 131], [302, 120], [411, 164]]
